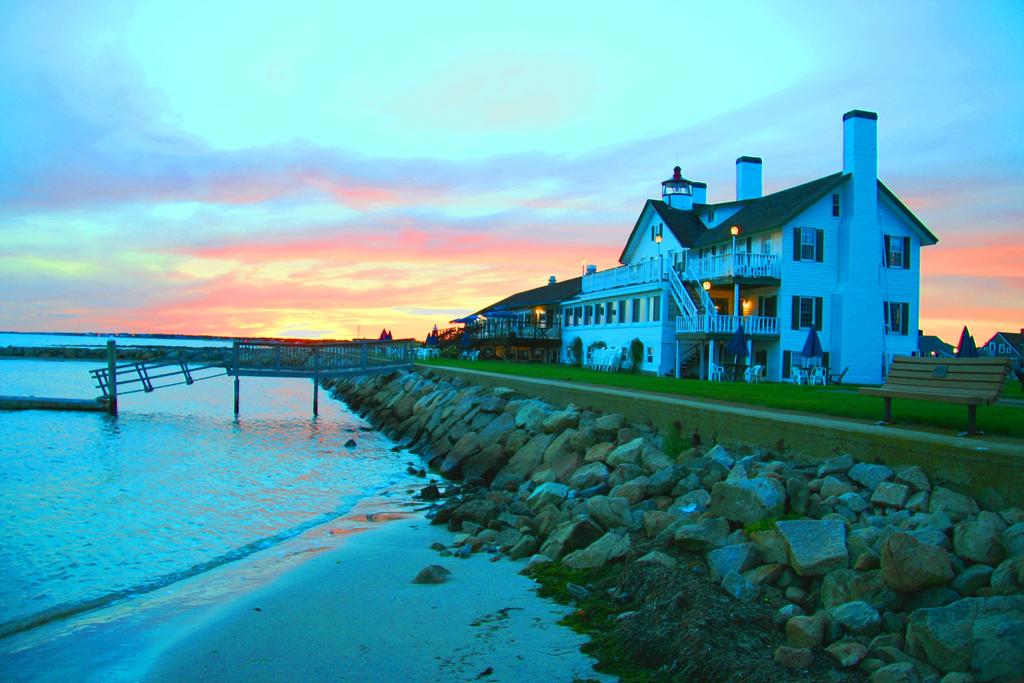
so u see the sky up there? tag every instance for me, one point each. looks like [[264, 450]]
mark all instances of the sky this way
[[328, 169]]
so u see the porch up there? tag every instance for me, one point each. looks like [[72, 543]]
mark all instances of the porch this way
[[707, 325], [739, 265]]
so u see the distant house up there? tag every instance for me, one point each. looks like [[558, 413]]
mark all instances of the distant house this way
[[839, 254], [1006, 344], [933, 347], [524, 326]]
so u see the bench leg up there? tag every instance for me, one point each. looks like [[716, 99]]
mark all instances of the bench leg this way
[[888, 409], [972, 413]]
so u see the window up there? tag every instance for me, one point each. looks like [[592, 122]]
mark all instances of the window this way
[[655, 310], [835, 205], [588, 314], [650, 354], [808, 244], [897, 252], [766, 245], [568, 317], [896, 314], [576, 312], [609, 313], [636, 311], [806, 312], [622, 310], [598, 313]]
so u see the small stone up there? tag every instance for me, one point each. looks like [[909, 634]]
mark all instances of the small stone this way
[[701, 536], [748, 500], [815, 547], [980, 540], [658, 557], [434, 573], [854, 501], [918, 502], [847, 652], [793, 657], [576, 591], [838, 465], [766, 574], [909, 565], [1013, 540], [351, 443], [971, 579], [609, 548], [550, 493], [787, 612], [731, 558], [898, 672], [833, 486], [915, 478]]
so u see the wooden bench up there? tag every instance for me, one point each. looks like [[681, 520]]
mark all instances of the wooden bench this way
[[963, 381]]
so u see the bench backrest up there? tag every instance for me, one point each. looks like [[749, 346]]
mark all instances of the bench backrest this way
[[983, 377]]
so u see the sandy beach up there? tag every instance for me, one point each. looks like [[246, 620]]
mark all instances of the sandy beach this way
[[353, 614]]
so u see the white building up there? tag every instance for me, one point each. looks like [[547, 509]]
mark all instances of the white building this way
[[840, 254]]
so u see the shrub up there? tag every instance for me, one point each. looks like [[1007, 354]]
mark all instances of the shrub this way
[[636, 353], [576, 352]]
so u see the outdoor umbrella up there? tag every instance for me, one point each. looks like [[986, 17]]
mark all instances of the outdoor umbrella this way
[[383, 335], [812, 347], [737, 345], [431, 339], [966, 348]]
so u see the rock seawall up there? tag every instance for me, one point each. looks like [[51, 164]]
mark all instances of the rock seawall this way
[[871, 571]]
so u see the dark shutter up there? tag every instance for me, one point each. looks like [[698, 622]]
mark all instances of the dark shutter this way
[[903, 318], [796, 244], [818, 306], [750, 244], [787, 363], [885, 314], [796, 312], [885, 255], [906, 255], [824, 360], [819, 245]]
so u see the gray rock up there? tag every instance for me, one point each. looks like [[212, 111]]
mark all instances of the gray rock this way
[[627, 453], [531, 414], [739, 587], [720, 456], [609, 425], [981, 635], [664, 480], [599, 452], [696, 500], [559, 421], [955, 505], [1008, 577], [793, 657], [981, 539], [658, 557], [434, 573], [897, 672], [652, 460], [771, 546], [846, 585], [798, 493], [854, 501], [609, 548], [497, 429], [838, 465], [833, 486], [702, 536], [748, 500], [803, 631], [858, 617], [633, 490], [971, 579], [815, 546], [890, 495], [731, 558], [528, 458], [918, 502], [656, 521], [591, 474], [570, 536], [526, 547], [610, 513], [915, 478], [1013, 540], [910, 565], [847, 652], [870, 476], [551, 493]]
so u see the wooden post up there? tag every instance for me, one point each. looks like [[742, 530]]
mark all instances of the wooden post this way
[[236, 394], [112, 377], [316, 393], [972, 418], [234, 370]]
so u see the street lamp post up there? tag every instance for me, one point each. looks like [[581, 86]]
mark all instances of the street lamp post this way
[[735, 231]]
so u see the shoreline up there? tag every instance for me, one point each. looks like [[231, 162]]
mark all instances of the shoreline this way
[[353, 614]]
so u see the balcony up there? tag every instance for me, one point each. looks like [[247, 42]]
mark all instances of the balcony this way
[[623, 276], [753, 325], [738, 265], [513, 329]]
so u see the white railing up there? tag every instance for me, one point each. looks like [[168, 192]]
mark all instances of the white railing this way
[[623, 276], [754, 325], [741, 264], [705, 298], [686, 304]]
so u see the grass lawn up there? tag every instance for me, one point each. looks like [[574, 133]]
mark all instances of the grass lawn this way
[[839, 401]]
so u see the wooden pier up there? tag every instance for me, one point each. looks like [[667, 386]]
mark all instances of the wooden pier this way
[[46, 403]]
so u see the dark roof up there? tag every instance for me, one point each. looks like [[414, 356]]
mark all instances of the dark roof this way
[[1015, 339], [929, 343], [539, 296], [684, 224], [913, 219], [773, 210]]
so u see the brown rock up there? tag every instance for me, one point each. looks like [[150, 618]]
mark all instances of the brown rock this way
[[909, 565]]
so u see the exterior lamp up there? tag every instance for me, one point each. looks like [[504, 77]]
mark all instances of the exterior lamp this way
[[734, 230], [706, 285]]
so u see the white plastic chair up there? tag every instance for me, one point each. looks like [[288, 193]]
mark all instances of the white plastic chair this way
[[818, 375], [717, 373], [798, 375], [752, 375]]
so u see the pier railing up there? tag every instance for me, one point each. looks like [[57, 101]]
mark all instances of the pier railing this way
[[319, 359]]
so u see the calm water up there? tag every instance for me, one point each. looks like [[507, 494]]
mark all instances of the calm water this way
[[35, 340], [97, 513]]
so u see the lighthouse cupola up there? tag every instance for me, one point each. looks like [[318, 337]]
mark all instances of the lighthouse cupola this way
[[677, 191]]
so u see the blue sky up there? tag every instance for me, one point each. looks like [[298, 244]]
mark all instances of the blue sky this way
[[326, 168]]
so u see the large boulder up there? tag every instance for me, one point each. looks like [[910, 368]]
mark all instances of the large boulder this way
[[531, 414], [570, 536], [1013, 540], [560, 420], [870, 476], [982, 635], [591, 474], [980, 540], [599, 452], [497, 429], [805, 631], [748, 500], [890, 495], [609, 548], [910, 565], [956, 505], [529, 457], [468, 445], [846, 585], [626, 454], [486, 463], [815, 546]]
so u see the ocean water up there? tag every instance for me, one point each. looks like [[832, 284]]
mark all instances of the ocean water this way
[[36, 340], [173, 503]]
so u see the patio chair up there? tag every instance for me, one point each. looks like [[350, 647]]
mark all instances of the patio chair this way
[[752, 375], [818, 376], [798, 375], [717, 373], [838, 379]]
